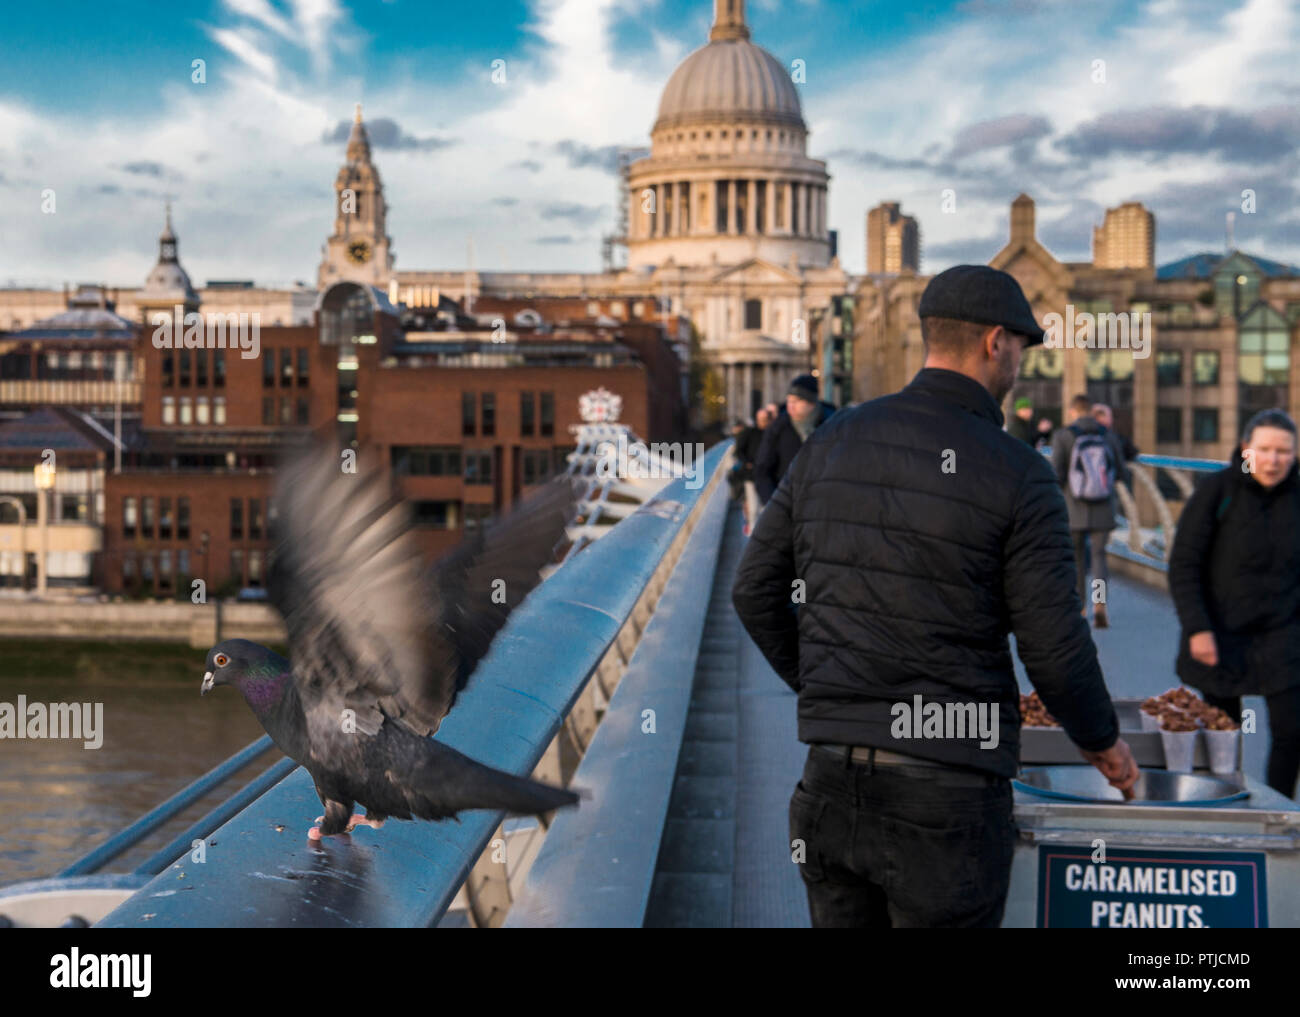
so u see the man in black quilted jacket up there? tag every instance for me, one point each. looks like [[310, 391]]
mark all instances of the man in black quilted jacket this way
[[908, 538]]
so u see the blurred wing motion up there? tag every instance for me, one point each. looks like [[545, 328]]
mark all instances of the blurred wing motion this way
[[371, 629]]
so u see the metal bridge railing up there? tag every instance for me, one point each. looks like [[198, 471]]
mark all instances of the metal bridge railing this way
[[1149, 545], [532, 706]]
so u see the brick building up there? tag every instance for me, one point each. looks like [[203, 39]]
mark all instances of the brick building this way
[[468, 422]]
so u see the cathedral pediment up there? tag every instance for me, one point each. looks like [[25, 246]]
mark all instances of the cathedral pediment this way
[[757, 272]]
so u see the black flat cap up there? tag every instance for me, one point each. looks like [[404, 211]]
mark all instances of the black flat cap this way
[[982, 295]]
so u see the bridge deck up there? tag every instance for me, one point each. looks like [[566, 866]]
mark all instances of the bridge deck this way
[[723, 859]]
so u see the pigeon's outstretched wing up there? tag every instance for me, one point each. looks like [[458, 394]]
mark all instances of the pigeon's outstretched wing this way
[[372, 633]]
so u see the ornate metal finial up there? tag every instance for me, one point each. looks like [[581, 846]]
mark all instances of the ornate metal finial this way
[[728, 20]]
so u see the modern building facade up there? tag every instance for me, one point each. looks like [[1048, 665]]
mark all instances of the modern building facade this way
[[893, 240], [1126, 238], [1219, 335]]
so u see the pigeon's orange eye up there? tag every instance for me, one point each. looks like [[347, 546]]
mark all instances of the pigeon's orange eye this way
[[221, 660]]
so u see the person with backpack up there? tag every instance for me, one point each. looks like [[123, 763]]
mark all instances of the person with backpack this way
[[1087, 457], [1234, 574]]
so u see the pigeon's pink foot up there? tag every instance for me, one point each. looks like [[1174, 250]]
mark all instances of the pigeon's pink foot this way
[[356, 821]]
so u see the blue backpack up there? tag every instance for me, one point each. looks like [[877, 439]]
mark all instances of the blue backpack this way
[[1092, 467]]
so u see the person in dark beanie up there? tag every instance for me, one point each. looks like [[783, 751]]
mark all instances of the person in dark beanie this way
[[1089, 460], [1234, 573], [909, 537], [803, 413], [1022, 424]]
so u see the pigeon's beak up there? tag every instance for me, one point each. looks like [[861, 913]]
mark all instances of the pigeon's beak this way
[[206, 687]]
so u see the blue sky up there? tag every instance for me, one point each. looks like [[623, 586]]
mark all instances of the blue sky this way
[[987, 97]]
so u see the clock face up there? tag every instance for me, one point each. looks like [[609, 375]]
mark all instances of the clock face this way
[[359, 251]]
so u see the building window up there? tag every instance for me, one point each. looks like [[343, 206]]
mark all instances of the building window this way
[[146, 517], [237, 566], [536, 465], [560, 458], [303, 410], [1205, 367], [218, 368], [254, 519], [219, 410], [1169, 424], [169, 410], [548, 414], [268, 369], [128, 517], [476, 515], [753, 314], [168, 370], [128, 570], [201, 410], [164, 569], [1169, 368], [527, 409], [286, 368], [183, 562], [268, 410], [478, 467], [423, 461], [254, 568], [467, 413], [201, 368], [187, 411], [185, 368], [236, 519], [434, 515], [1205, 424], [183, 520], [164, 519], [489, 401], [304, 365], [286, 410]]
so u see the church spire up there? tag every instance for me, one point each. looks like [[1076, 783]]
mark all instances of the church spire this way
[[167, 241], [728, 21], [358, 140]]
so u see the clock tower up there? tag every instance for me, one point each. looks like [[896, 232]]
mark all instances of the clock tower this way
[[358, 250]]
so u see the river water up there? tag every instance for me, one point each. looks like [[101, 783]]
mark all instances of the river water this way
[[60, 800]]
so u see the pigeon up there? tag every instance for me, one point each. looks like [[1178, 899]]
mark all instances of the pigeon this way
[[380, 644]]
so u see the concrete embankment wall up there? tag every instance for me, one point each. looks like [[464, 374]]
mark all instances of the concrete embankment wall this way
[[194, 624]]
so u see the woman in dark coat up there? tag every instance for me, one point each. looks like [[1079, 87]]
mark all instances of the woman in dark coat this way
[[1234, 573]]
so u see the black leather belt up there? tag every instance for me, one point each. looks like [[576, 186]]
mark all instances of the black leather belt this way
[[872, 755]]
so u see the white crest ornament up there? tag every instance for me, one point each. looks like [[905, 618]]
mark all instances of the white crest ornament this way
[[599, 406]]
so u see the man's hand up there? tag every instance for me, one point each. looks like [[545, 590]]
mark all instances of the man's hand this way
[[1117, 766], [1204, 648]]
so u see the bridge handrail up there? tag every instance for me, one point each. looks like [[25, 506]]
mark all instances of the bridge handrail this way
[[597, 865], [261, 870]]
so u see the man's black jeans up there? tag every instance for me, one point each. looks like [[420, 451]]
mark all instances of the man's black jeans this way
[[902, 846]]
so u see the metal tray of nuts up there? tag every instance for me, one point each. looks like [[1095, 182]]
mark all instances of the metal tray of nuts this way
[[1049, 745]]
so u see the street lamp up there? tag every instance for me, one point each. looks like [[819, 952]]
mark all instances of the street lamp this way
[[44, 477]]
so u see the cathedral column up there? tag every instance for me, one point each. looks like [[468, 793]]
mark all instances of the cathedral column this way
[[821, 211], [788, 227], [731, 206], [661, 219], [749, 388], [751, 207], [769, 217]]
